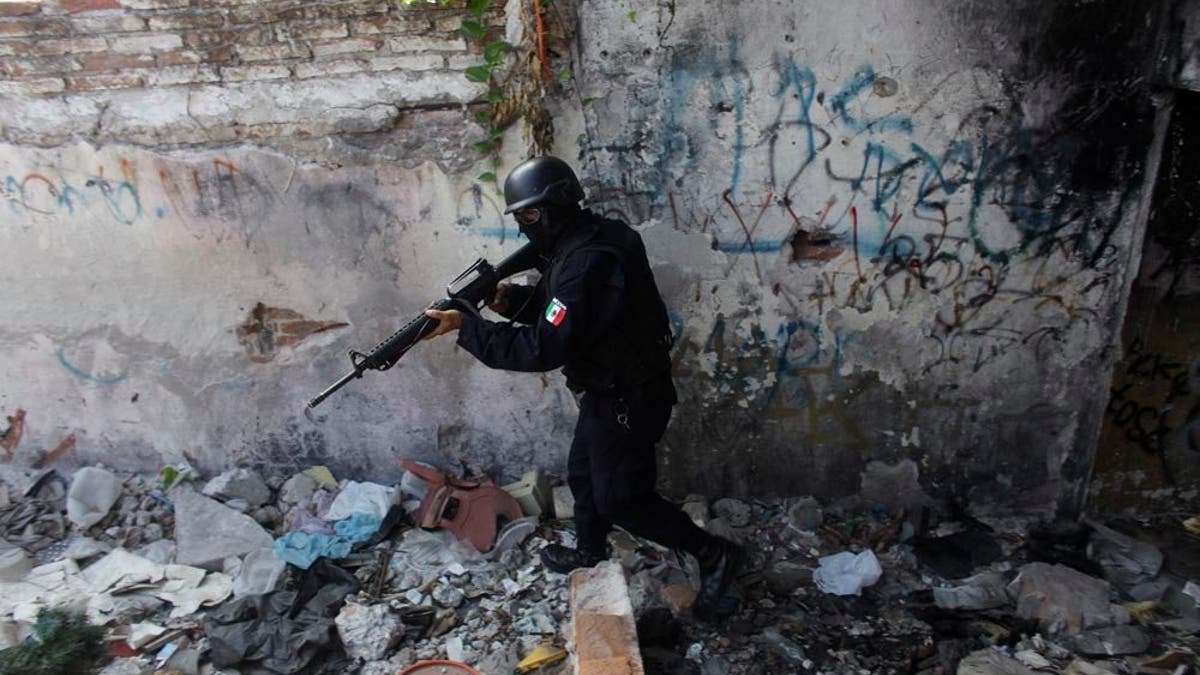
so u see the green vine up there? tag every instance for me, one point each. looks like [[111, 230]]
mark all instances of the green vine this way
[[517, 92]]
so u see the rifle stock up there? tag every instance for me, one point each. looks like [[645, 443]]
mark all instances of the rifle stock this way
[[473, 289]]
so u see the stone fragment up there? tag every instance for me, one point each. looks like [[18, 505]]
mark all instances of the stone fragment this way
[[783, 578], [982, 591], [448, 596], [894, 486], [1061, 599], [1081, 667], [992, 662], [207, 532], [805, 514], [368, 631], [679, 598], [696, 507], [735, 511], [1112, 641], [239, 484], [93, 492], [84, 548]]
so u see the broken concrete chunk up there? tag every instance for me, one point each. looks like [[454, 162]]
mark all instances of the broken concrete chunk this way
[[239, 484], [1127, 562], [14, 562], [992, 662], [448, 596], [805, 514], [298, 489], [1112, 641], [604, 628], [982, 591], [564, 503], [1061, 599], [207, 532], [735, 511], [368, 631], [93, 492]]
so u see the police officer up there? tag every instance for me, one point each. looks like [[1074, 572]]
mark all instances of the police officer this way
[[597, 313]]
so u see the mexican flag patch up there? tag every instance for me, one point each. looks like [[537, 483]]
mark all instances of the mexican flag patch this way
[[556, 312]]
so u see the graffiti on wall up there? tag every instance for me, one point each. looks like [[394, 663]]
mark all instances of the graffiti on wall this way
[[838, 196]]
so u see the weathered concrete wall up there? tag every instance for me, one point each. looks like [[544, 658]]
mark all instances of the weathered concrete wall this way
[[891, 235]]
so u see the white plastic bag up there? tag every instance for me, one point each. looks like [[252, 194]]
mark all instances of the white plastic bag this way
[[93, 492], [370, 498], [846, 573]]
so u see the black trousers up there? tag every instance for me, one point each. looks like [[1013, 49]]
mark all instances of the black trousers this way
[[612, 472]]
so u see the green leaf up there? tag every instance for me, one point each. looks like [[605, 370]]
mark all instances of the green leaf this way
[[487, 176], [478, 73], [633, 16], [496, 161], [586, 101], [564, 75], [482, 117], [472, 30], [494, 97], [485, 147], [494, 51], [497, 133], [478, 7]]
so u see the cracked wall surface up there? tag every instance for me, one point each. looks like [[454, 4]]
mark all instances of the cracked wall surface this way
[[895, 241]]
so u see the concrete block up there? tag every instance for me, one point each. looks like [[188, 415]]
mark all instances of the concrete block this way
[[207, 531], [564, 503], [605, 633]]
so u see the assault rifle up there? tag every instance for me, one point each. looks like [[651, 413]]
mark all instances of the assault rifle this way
[[472, 290]]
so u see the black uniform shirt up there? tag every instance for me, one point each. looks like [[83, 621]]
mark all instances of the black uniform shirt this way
[[588, 301]]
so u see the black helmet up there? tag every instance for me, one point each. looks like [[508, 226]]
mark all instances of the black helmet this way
[[541, 180]]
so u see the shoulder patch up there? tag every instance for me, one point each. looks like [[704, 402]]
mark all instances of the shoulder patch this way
[[556, 312]]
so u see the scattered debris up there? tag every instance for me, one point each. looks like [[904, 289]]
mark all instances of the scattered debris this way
[[847, 573]]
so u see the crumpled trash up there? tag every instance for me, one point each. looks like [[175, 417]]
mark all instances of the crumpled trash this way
[[283, 631], [431, 553], [356, 497], [93, 492], [847, 573], [303, 549], [262, 572], [358, 528]]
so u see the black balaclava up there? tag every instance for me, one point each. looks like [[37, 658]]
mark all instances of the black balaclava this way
[[550, 226]]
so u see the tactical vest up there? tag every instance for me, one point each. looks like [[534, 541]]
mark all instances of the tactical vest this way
[[638, 348]]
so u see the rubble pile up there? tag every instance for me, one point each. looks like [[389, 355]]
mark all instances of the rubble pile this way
[[305, 573]]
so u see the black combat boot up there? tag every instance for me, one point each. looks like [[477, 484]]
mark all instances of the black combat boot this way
[[720, 562], [561, 559]]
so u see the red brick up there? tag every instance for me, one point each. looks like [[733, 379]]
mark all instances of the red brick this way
[[39, 27], [107, 22], [311, 31], [19, 8], [77, 6], [101, 62], [273, 52], [15, 47], [190, 20], [47, 65], [388, 25], [265, 15], [146, 42], [32, 87], [350, 46], [82, 45], [178, 58], [344, 10], [105, 81], [226, 37]]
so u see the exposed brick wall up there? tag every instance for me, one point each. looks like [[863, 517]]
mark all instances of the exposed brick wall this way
[[65, 46]]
